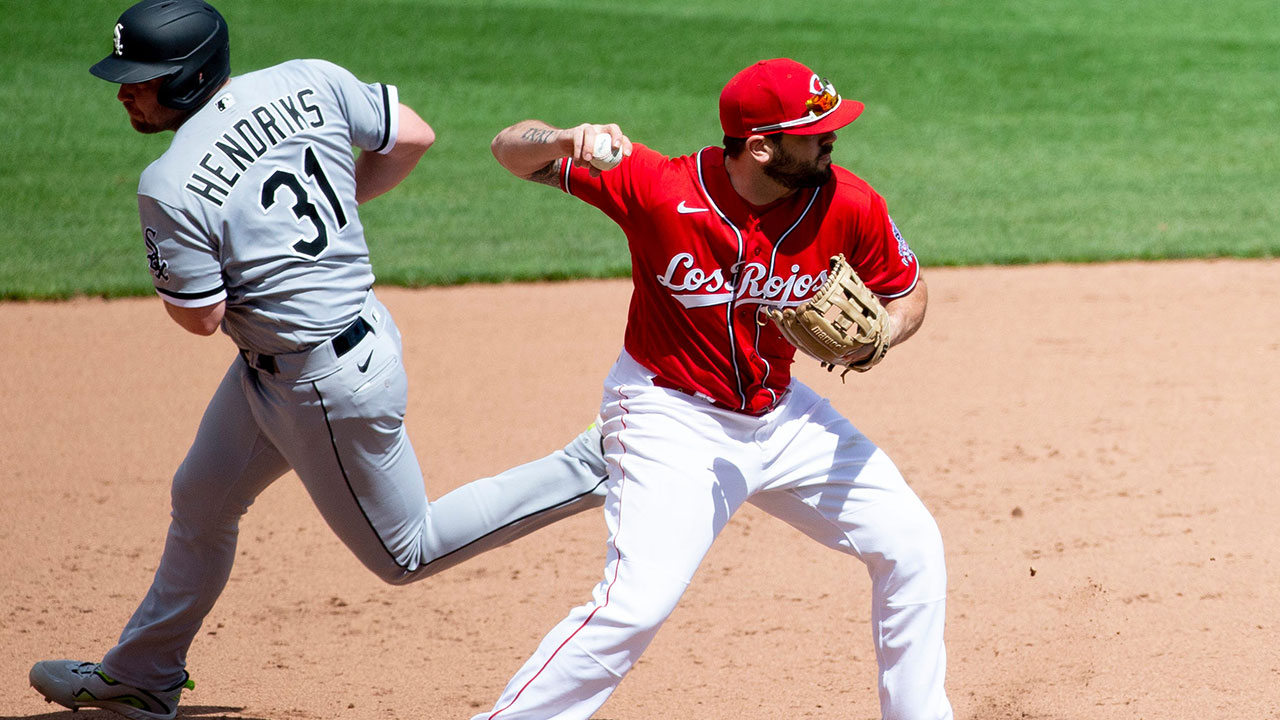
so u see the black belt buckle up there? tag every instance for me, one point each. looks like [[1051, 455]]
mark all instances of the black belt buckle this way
[[350, 337]]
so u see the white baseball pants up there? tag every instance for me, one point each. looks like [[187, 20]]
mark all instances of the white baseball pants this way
[[679, 468]]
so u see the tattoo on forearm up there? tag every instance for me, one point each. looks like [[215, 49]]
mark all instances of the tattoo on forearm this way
[[548, 174], [540, 136]]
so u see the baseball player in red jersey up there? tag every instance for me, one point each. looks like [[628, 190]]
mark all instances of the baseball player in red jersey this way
[[700, 411]]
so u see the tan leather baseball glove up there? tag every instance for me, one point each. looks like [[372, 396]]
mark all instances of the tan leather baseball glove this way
[[838, 323]]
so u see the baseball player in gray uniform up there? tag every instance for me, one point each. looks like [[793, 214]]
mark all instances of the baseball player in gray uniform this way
[[250, 224]]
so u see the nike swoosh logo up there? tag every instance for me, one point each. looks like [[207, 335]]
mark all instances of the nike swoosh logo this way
[[365, 365], [686, 210]]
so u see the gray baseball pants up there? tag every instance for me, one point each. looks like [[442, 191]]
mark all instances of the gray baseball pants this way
[[338, 421]]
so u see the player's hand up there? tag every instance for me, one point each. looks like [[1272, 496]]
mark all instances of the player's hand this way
[[584, 140]]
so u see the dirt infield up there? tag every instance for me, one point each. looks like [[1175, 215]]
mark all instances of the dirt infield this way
[[1098, 444]]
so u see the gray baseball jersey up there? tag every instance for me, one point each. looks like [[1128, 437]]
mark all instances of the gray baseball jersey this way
[[254, 203]]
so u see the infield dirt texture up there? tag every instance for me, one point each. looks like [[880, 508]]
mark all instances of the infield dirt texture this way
[[1098, 444]]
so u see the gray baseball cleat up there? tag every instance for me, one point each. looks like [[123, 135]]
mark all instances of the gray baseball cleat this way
[[78, 685]]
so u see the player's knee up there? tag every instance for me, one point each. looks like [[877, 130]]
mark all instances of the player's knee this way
[[191, 503], [646, 611], [396, 572], [588, 451], [912, 564], [648, 618], [387, 569], [396, 576], [920, 548]]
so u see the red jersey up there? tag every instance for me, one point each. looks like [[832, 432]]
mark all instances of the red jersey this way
[[705, 263]]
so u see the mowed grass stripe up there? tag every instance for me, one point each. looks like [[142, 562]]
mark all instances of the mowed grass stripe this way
[[999, 132]]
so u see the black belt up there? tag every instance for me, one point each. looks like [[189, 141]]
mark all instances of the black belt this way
[[351, 337], [342, 344]]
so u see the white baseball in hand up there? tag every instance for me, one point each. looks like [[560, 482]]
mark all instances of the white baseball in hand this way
[[603, 156]]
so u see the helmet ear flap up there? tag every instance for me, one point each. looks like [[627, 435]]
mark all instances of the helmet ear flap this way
[[191, 86]]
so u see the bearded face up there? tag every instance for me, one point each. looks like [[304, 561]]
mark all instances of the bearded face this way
[[146, 114], [801, 161]]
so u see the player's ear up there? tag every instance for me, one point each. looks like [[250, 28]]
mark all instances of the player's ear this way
[[760, 148]]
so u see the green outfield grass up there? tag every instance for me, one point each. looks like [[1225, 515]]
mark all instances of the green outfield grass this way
[[999, 131]]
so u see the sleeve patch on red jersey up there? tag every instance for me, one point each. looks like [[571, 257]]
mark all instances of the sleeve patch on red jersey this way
[[904, 250]]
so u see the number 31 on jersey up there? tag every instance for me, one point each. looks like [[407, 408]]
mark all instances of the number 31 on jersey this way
[[303, 208]]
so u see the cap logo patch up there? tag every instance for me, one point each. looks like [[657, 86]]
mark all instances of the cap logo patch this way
[[118, 42], [825, 98]]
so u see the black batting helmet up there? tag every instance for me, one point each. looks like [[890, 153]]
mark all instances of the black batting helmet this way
[[185, 41]]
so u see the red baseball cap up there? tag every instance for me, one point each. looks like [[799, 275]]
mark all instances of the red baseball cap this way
[[782, 95]]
